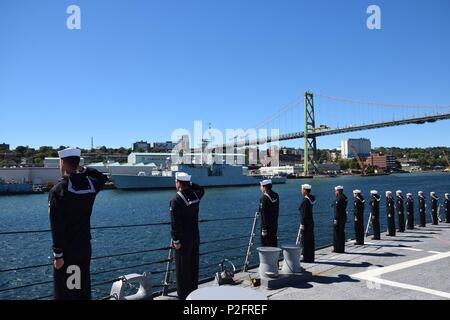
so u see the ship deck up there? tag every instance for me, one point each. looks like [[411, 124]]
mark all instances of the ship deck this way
[[411, 266]]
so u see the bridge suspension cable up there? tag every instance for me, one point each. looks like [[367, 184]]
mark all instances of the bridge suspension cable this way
[[381, 104]]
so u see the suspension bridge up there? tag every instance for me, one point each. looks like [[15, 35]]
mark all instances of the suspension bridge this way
[[368, 113]]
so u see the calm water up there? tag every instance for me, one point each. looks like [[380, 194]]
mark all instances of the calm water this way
[[114, 207]]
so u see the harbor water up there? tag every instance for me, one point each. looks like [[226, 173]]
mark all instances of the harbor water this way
[[116, 207]]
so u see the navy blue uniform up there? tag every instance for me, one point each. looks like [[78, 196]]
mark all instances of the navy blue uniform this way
[[390, 212], [375, 207], [268, 208], [410, 213], [307, 233], [401, 213], [422, 217], [358, 212], [70, 207], [340, 216], [434, 208], [184, 209]]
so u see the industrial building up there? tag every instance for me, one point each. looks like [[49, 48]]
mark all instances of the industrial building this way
[[164, 146], [141, 146], [34, 175], [380, 161]]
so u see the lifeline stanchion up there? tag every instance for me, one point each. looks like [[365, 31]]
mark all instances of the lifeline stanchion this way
[[250, 243], [369, 224], [298, 235], [166, 283]]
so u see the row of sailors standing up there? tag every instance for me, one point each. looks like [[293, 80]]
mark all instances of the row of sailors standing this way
[[395, 210], [71, 201], [340, 214]]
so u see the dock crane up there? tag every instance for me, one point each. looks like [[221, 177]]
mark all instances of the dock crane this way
[[358, 158]]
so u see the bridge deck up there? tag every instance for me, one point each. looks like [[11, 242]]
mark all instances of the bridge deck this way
[[413, 265]]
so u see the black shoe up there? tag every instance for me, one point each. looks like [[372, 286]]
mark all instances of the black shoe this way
[[375, 238]]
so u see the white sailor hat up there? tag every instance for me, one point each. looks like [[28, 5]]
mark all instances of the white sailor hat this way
[[69, 152], [306, 186], [374, 192], [409, 194], [338, 188], [265, 182], [420, 192], [357, 191], [432, 193], [388, 193], [398, 191], [182, 176]]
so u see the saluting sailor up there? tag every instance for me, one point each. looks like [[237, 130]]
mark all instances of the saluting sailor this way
[[390, 211], [447, 207], [358, 211], [184, 208], [400, 211], [422, 206], [340, 218], [70, 204], [268, 209], [434, 207], [409, 211], [375, 207], [307, 224]]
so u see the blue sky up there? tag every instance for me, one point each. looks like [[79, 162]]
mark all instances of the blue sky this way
[[141, 69]]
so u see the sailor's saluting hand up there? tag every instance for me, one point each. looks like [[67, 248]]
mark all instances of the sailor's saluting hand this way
[[58, 263]]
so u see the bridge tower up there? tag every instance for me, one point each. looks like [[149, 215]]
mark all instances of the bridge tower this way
[[310, 149]]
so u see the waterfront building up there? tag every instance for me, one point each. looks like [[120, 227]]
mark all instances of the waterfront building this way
[[362, 147]]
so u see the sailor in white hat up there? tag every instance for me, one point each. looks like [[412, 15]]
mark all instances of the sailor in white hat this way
[[70, 208], [375, 214], [358, 212], [447, 207], [434, 208], [422, 207], [72, 155], [266, 182], [182, 177], [268, 209], [340, 218], [390, 211], [399, 205], [307, 224], [306, 186], [409, 211], [184, 210]]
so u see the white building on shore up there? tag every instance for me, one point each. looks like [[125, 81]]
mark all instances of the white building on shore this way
[[362, 146]]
